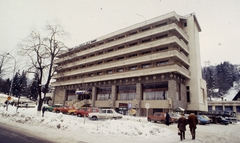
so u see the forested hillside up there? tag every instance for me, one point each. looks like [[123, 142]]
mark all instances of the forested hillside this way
[[221, 77]]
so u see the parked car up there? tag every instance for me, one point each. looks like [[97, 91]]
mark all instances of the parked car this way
[[62, 109], [159, 117], [207, 118], [50, 108], [82, 112], [71, 111], [174, 117], [105, 114], [222, 120], [202, 120]]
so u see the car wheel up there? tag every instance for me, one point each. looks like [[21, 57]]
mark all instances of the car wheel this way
[[48, 110], [94, 118], [114, 118], [79, 115], [57, 111], [149, 120], [71, 113]]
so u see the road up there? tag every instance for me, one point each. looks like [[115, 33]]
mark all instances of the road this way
[[9, 134]]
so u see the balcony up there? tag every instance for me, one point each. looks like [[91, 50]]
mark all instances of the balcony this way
[[131, 61], [154, 31], [132, 49], [128, 74]]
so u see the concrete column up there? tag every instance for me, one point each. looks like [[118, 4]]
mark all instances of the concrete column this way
[[172, 89], [94, 95], [113, 96], [234, 108], [138, 98], [213, 107]]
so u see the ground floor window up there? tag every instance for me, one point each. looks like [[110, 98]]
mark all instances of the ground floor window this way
[[218, 108], [156, 95], [209, 108], [228, 108], [126, 92], [70, 95], [155, 91], [238, 108], [104, 93]]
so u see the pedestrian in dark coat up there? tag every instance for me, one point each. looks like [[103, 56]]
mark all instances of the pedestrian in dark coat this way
[[43, 110], [182, 122], [167, 119], [193, 121]]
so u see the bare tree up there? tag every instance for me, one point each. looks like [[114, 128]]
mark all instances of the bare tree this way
[[3, 60], [42, 52]]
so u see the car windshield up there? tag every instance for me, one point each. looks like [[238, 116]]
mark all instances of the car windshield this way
[[103, 111]]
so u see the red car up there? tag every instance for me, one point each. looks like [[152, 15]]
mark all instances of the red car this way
[[62, 109], [80, 113]]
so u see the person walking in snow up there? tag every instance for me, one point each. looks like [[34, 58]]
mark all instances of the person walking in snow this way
[[193, 121], [167, 119], [182, 122], [43, 110]]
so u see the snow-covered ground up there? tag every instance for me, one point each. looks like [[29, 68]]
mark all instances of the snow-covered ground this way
[[62, 128]]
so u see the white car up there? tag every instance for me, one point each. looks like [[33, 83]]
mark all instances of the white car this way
[[105, 114]]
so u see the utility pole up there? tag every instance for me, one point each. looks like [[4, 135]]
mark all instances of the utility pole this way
[[10, 90]]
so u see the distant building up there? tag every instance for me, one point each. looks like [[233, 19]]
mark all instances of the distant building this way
[[153, 64], [226, 104]]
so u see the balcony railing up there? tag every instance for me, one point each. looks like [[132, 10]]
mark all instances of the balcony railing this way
[[128, 74], [128, 39]]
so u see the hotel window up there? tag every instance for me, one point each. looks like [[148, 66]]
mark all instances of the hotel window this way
[[132, 33], [120, 58], [185, 24], [110, 50], [109, 60], [120, 47], [104, 93], [146, 52], [133, 55], [209, 108], [99, 73], [127, 92], [146, 65], [161, 24], [162, 49], [146, 40], [218, 108], [145, 29], [132, 68], [162, 63], [229, 108], [120, 70], [109, 71], [155, 91], [162, 36], [132, 44], [238, 108], [120, 37]]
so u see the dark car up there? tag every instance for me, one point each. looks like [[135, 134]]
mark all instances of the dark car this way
[[222, 120]]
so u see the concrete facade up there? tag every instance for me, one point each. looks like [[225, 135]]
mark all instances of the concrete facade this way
[[156, 62]]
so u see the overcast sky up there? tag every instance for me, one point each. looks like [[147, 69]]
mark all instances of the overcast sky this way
[[85, 20]]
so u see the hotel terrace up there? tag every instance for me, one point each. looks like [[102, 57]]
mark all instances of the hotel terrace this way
[[152, 66]]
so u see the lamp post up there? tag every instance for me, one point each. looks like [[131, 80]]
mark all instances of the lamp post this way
[[10, 90]]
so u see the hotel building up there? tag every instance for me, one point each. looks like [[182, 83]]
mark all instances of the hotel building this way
[[152, 66]]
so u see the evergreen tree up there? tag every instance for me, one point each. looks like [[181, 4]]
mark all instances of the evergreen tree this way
[[23, 84], [16, 85], [34, 87], [6, 86]]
